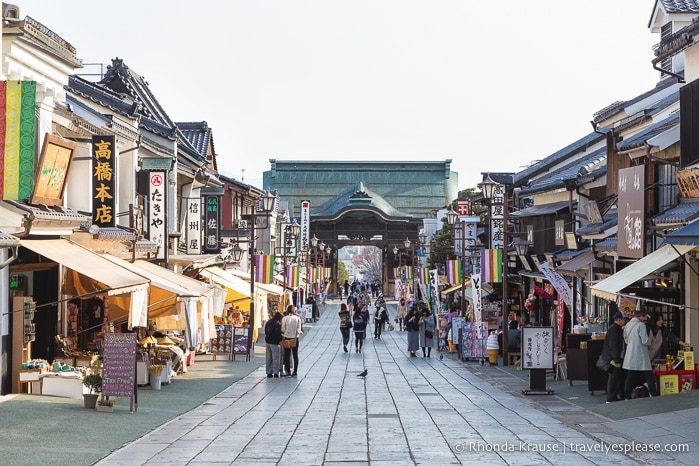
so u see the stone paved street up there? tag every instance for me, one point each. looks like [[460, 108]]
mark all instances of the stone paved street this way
[[406, 411]]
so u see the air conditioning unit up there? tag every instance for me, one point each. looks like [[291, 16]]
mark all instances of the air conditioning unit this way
[[242, 223]]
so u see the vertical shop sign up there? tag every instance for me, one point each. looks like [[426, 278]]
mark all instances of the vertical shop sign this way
[[193, 229], [632, 219], [497, 218], [103, 181], [211, 231], [156, 214], [305, 225]]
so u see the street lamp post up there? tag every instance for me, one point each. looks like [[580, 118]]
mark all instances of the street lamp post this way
[[291, 232], [409, 246], [268, 201], [488, 186]]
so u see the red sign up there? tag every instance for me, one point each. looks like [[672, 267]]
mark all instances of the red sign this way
[[463, 208]]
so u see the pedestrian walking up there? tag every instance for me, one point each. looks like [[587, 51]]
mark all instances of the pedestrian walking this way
[[291, 329], [273, 337], [412, 325], [636, 358], [380, 317], [401, 312], [345, 325], [427, 326], [612, 352], [359, 321]]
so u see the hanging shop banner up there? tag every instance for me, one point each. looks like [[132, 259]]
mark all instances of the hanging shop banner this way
[[193, 228], [471, 345], [558, 282], [434, 279], [468, 228], [17, 130], [632, 218], [103, 181], [156, 220], [305, 225], [453, 271], [491, 265], [497, 218], [264, 268], [211, 222], [560, 320], [477, 295], [52, 172], [537, 344]]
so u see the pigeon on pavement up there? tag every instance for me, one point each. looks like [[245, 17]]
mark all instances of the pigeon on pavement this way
[[363, 373], [441, 356]]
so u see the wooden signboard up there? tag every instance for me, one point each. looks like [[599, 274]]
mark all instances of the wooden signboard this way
[[241, 342], [222, 343], [119, 365], [50, 178]]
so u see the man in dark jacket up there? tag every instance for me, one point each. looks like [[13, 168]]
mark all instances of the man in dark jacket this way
[[611, 351], [273, 336]]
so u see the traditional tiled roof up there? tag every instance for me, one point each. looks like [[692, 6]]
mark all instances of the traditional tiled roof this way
[[584, 170], [686, 236], [198, 134], [685, 212], [45, 38], [609, 220], [543, 166], [640, 138], [360, 197], [618, 106], [680, 6]]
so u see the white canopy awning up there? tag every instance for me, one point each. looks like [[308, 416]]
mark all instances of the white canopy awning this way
[[611, 286], [110, 278]]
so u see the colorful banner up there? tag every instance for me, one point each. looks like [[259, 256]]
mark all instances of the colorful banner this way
[[397, 273], [491, 265], [408, 272], [17, 136], [264, 268], [424, 275], [293, 276], [453, 270]]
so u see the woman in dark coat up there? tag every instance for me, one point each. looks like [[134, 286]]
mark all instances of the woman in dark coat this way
[[412, 325]]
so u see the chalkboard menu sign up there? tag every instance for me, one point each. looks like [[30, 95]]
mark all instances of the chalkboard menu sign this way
[[222, 343], [119, 364], [241, 341], [537, 347]]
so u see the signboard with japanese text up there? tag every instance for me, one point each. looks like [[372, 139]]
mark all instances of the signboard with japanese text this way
[[49, 184], [559, 232], [463, 208], [119, 364], [103, 181], [193, 227], [632, 217], [211, 222], [559, 283], [156, 211], [304, 235], [537, 348], [471, 345], [497, 218], [467, 226]]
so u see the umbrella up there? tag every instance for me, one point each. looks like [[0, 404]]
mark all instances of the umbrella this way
[[543, 293]]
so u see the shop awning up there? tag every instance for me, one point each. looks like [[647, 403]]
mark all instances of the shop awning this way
[[486, 290], [576, 263], [238, 289], [543, 209], [270, 288], [197, 261], [193, 286], [609, 287], [687, 235], [105, 276]]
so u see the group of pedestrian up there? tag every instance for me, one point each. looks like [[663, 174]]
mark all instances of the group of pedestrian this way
[[420, 324], [630, 346], [278, 330]]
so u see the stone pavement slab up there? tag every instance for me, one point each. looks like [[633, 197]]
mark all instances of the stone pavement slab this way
[[406, 411]]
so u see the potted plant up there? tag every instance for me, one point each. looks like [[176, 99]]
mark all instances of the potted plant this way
[[105, 405], [92, 379]]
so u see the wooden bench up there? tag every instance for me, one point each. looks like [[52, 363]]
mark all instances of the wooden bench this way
[[511, 355]]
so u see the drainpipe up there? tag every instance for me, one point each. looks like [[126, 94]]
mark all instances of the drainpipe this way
[[15, 256]]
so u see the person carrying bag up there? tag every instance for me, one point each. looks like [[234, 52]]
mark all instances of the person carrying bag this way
[[291, 328]]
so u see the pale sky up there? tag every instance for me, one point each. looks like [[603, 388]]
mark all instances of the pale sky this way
[[492, 85]]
